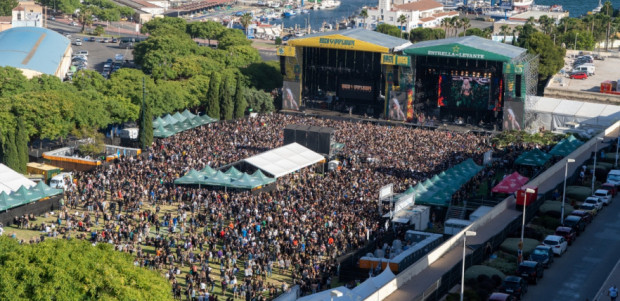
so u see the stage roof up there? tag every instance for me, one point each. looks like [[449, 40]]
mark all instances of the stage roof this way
[[470, 47], [284, 160], [352, 39]]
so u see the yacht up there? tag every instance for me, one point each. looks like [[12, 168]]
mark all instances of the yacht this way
[[522, 3]]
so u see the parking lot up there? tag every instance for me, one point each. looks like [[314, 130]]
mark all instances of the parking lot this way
[[99, 53], [605, 70]]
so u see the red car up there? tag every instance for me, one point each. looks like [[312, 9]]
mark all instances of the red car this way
[[611, 188], [579, 75], [567, 232]]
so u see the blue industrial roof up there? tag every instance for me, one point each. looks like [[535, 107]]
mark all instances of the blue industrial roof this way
[[33, 48]]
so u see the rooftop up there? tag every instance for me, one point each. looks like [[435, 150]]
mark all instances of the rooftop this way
[[361, 34], [488, 49], [420, 5], [32, 48]]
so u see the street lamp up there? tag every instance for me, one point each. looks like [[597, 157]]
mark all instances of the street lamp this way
[[335, 293], [564, 191], [595, 152], [467, 233], [617, 146], [527, 190]]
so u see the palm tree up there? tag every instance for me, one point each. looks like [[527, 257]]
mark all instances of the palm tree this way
[[444, 24], [465, 23], [246, 20], [364, 15], [402, 19], [85, 17], [504, 31]]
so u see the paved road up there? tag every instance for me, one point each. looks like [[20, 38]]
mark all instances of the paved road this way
[[581, 271]]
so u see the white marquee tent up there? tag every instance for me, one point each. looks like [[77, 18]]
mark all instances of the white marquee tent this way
[[553, 113], [284, 160], [11, 180]]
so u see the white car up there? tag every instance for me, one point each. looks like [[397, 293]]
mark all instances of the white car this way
[[557, 243], [604, 195], [594, 201], [78, 42]]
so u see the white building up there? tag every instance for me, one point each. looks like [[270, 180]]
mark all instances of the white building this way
[[420, 13], [27, 14]]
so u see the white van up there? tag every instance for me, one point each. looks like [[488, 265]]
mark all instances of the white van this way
[[454, 225], [61, 180], [588, 68], [614, 177]]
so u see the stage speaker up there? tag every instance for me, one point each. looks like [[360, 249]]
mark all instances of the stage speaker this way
[[326, 138], [289, 134], [312, 138], [301, 132]]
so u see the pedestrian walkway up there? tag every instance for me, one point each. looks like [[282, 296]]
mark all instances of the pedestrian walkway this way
[[612, 279]]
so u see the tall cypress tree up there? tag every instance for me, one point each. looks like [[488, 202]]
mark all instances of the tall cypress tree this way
[[145, 135], [240, 102], [11, 158], [227, 106], [213, 96], [21, 143]]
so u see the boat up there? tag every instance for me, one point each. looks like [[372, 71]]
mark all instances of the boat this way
[[329, 4], [597, 9], [522, 3], [289, 13], [499, 13], [305, 11]]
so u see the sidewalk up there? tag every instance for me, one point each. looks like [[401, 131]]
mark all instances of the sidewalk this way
[[612, 279]]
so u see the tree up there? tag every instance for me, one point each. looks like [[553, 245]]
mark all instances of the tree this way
[[551, 56], [227, 106], [99, 30], [259, 101], [364, 15], [264, 76], [389, 30], [7, 6], [61, 269], [245, 21], [165, 25], [85, 16], [420, 34], [465, 23], [11, 157], [402, 19], [232, 37], [145, 135], [209, 30], [213, 96], [278, 41], [504, 31], [21, 144], [240, 102], [486, 33], [455, 23]]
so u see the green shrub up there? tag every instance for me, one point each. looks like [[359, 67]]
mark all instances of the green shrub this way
[[547, 222], [505, 264], [511, 245], [474, 271], [578, 193], [554, 208]]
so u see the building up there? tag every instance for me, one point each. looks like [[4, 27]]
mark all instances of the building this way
[[35, 51], [27, 13], [420, 13]]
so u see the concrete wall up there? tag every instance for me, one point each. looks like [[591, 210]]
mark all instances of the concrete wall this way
[[582, 96]]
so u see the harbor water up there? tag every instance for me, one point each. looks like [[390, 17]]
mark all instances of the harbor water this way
[[577, 8], [331, 16]]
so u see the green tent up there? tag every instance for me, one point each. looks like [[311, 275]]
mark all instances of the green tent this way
[[174, 128], [566, 146], [185, 125], [208, 171], [157, 122], [23, 196], [534, 157], [207, 118], [46, 190], [170, 120], [219, 179], [179, 117], [191, 177], [162, 132], [4, 201], [258, 174], [246, 181], [187, 114], [194, 122], [233, 173]]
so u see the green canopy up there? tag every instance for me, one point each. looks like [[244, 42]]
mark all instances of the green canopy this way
[[24, 196], [207, 118], [246, 181], [194, 122], [46, 190], [157, 122], [185, 125], [439, 189], [258, 174], [219, 179], [566, 146], [174, 128], [534, 157], [208, 171], [170, 120], [435, 179], [4, 201], [191, 177], [179, 117], [233, 173], [162, 132], [187, 114]]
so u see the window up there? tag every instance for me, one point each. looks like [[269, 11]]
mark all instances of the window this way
[[391, 18]]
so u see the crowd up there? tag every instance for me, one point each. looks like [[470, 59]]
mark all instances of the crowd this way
[[297, 230]]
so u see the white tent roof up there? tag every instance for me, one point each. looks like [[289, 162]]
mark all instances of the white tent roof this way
[[284, 160], [583, 112], [347, 295], [568, 107], [373, 284], [11, 180]]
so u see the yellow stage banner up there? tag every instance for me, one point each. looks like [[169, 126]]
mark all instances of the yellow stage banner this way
[[391, 59], [286, 51], [337, 41]]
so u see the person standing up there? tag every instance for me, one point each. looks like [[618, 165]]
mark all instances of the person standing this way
[[613, 292]]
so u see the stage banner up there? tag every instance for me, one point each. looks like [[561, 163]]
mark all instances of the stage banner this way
[[458, 91], [399, 60], [286, 51], [291, 95], [513, 115], [398, 104], [337, 41]]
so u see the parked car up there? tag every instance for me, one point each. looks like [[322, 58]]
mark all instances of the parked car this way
[[530, 270], [501, 297], [557, 243], [542, 254], [92, 39], [578, 75], [603, 195], [575, 222], [568, 233], [114, 40], [77, 42], [52, 18], [585, 216], [82, 52], [595, 200], [106, 40], [73, 23], [590, 208], [515, 286], [612, 188]]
